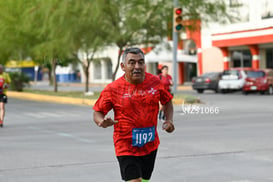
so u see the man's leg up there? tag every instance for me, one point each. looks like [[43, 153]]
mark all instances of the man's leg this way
[[2, 113], [160, 115], [133, 168], [136, 180], [139, 180], [130, 168], [148, 163], [144, 180]]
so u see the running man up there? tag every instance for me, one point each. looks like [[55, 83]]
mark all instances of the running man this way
[[4, 84], [134, 98]]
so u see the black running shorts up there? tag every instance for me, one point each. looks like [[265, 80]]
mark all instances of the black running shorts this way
[[133, 167], [3, 98]]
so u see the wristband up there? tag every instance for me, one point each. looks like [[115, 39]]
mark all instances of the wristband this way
[[171, 121]]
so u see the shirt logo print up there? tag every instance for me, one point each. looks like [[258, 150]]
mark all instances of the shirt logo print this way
[[126, 95], [152, 91]]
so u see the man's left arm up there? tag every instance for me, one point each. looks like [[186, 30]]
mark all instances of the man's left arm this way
[[170, 80], [168, 111], [7, 80]]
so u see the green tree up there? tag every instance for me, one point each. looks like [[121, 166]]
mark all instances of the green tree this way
[[47, 24], [132, 23], [138, 22], [87, 35], [31, 28], [53, 31], [56, 30], [19, 80], [15, 42]]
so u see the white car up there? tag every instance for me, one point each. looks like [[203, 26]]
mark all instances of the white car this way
[[233, 79]]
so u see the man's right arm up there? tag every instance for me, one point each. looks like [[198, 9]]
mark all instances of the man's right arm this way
[[168, 110], [103, 121]]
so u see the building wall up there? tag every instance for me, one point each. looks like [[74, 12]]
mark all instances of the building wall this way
[[212, 59], [100, 68], [254, 16]]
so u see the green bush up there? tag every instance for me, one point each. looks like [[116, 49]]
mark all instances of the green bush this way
[[19, 80]]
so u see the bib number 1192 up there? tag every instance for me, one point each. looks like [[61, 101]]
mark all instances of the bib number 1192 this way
[[141, 136]]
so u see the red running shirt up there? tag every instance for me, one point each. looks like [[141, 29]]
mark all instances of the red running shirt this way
[[135, 106], [166, 81]]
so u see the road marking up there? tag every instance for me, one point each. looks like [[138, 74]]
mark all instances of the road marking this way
[[63, 134], [84, 140], [50, 114], [33, 115]]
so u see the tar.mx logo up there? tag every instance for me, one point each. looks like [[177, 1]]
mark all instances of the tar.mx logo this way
[[152, 91]]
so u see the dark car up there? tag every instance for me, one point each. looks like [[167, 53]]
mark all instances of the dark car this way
[[259, 81], [207, 81]]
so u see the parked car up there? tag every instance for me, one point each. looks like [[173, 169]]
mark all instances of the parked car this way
[[259, 81], [207, 81], [233, 79]]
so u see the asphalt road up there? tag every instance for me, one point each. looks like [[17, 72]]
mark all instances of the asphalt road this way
[[227, 139]]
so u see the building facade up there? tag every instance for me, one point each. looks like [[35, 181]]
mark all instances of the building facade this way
[[247, 42]]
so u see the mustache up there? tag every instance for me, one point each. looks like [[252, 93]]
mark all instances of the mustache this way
[[137, 71]]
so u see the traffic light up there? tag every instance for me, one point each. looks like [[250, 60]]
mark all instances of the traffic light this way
[[177, 19]]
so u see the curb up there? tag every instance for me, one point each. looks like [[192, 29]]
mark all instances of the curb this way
[[49, 98], [69, 100]]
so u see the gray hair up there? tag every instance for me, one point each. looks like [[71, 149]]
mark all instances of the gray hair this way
[[133, 50]]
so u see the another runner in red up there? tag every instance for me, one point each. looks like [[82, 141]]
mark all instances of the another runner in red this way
[[165, 78], [134, 98]]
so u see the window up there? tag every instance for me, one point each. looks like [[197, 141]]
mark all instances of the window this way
[[242, 58], [255, 74], [239, 9], [267, 11], [109, 69], [97, 70], [269, 58], [234, 3]]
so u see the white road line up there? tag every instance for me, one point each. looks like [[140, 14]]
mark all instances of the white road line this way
[[50, 114], [62, 134]]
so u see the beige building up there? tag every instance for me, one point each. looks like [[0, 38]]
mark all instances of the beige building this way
[[248, 42]]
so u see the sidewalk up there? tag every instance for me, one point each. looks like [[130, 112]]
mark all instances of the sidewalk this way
[[72, 87]]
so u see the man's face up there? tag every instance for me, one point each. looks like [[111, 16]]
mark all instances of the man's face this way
[[134, 68]]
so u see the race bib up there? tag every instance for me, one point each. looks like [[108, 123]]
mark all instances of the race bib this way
[[141, 136]]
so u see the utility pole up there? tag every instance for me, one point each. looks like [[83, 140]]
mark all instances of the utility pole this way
[[175, 41]]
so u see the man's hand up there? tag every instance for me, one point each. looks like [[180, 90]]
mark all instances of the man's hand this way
[[168, 126], [5, 85], [106, 122]]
